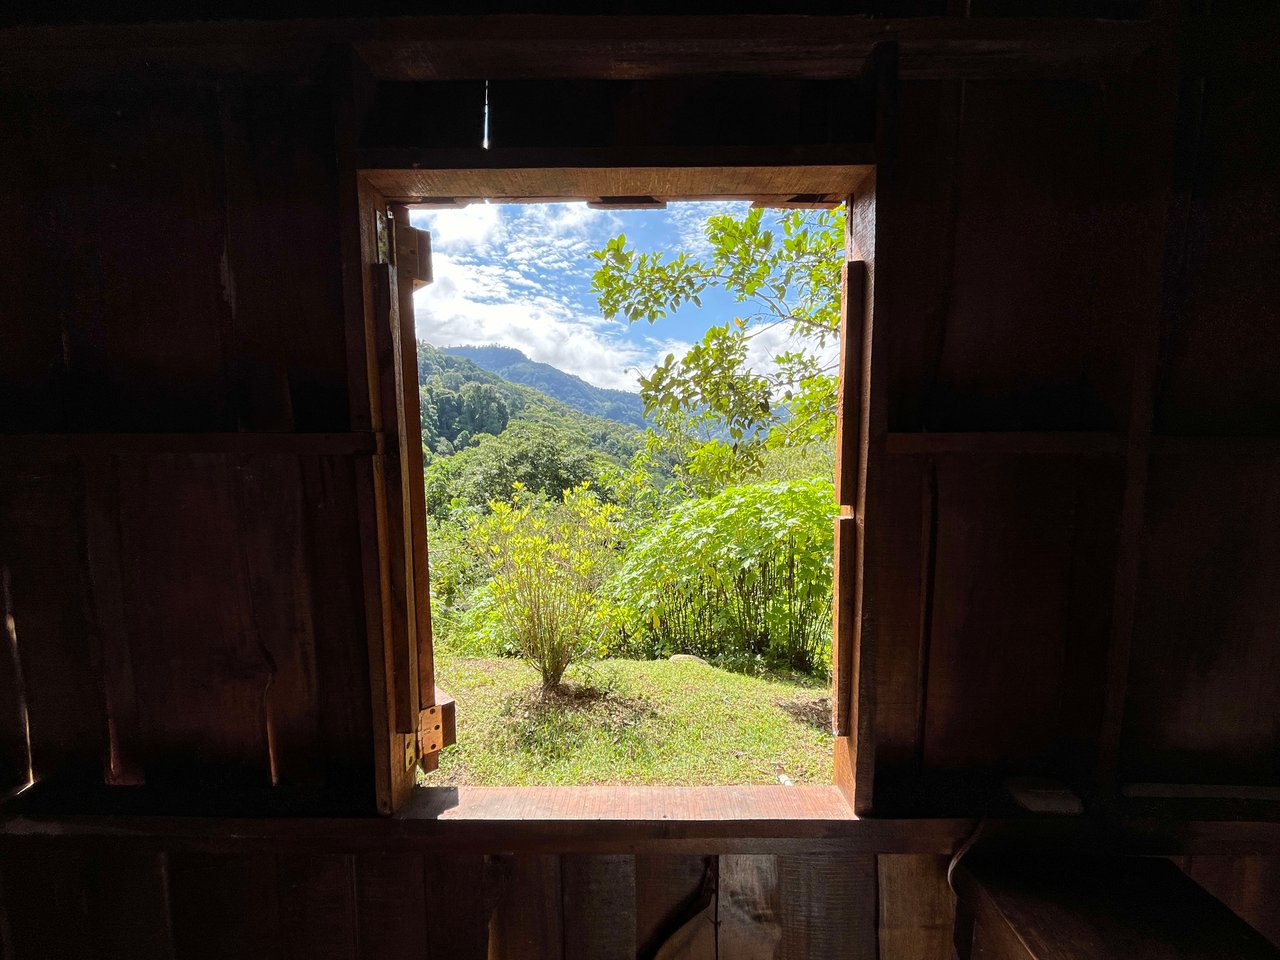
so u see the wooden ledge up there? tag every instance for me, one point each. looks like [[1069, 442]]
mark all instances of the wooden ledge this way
[[670, 805]]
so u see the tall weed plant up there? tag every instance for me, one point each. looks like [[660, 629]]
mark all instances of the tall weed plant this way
[[548, 560]]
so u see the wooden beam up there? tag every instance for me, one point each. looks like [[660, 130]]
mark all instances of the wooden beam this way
[[458, 177], [677, 820], [1000, 444], [42, 446], [596, 47]]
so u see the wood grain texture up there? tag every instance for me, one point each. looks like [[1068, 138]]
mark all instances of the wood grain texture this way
[[45, 914], [461, 895], [529, 922], [1250, 886], [599, 905], [391, 906], [126, 895], [1104, 908], [916, 908], [675, 907], [47, 612], [828, 907], [224, 905], [317, 906], [202, 680], [1203, 653], [413, 252], [999, 612], [748, 907]]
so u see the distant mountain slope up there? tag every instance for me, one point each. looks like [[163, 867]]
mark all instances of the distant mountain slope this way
[[438, 371], [511, 364]]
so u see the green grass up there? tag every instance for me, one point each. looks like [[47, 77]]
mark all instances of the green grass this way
[[627, 721]]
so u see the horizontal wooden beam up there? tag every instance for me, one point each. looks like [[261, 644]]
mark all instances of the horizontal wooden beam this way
[[37, 446], [625, 819], [465, 176], [597, 47], [993, 443], [638, 48], [1080, 444]]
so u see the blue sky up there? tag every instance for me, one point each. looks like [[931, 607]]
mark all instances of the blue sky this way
[[520, 275]]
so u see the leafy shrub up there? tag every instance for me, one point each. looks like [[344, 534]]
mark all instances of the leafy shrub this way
[[741, 577], [548, 558]]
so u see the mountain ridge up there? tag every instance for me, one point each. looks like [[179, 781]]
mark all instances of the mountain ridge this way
[[511, 364]]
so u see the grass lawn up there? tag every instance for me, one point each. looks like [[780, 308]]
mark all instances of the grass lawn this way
[[629, 721]]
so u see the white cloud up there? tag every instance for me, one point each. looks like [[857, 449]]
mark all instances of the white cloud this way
[[476, 303], [476, 226]]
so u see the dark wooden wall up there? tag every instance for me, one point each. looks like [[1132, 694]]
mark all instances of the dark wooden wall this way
[[177, 504], [1077, 540]]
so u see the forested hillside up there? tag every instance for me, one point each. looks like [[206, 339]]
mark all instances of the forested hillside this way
[[481, 434], [512, 365]]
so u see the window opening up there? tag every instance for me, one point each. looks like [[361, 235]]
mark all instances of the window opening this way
[[628, 418]]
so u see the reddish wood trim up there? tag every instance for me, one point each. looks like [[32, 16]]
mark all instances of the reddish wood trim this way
[[397, 546], [409, 426]]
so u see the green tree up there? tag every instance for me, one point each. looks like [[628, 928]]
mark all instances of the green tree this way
[[482, 409], [714, 413], [536, 456]]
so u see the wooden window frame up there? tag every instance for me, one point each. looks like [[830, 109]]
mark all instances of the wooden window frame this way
[[471, 176]]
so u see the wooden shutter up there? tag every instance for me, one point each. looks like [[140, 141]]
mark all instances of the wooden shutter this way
[[418, 716]]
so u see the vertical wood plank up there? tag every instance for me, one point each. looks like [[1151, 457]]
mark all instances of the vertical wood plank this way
[[267, 492], [675, 907], [828, 907], [317, 906], [599, 905], [528, 923], [46, 603], [202, 680], [848, 457], [410, 245], [458, 907], [916, 907], [225, 906], [1138, 114], [396, 482], [44, 901], [331, 508], [127, 896], [749, 907], [109, 632], [391, 912]]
